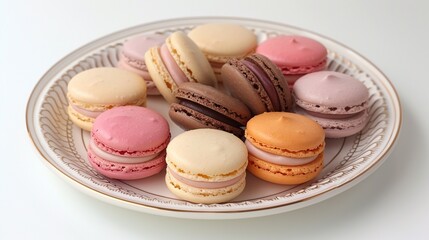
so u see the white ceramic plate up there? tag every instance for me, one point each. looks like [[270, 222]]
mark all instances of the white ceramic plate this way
[[347, 161]]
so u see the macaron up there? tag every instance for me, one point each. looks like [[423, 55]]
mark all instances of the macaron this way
[[338, 102], [132, 59], [294, 55], [177, 61], [222, 41], [202, 106], [96, 90], [206, 166], [284, 148], [258, 83], [129, 143]]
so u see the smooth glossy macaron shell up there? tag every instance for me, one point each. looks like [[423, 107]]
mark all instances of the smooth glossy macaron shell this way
[[129, 143], [331, 93], [132, 59], [210, 156], [131, 131], [223, 41], [202, 106], [294, 54], [183, 55], [286, 134], [96, 90]]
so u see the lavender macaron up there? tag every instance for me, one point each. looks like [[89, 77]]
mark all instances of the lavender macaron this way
[[132, 59], [338, 102]]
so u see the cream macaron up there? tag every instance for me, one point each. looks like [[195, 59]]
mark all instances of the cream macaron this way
[[221, 42], [96, 90], [206, 166], [177, 61]]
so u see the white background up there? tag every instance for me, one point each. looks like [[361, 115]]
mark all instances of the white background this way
[[392, 203]]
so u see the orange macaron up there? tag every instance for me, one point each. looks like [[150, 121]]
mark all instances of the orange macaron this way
[[284, 148]]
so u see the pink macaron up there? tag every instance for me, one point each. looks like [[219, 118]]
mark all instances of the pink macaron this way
[[338, 102], [294, 55], [131, 57], [129, 143]]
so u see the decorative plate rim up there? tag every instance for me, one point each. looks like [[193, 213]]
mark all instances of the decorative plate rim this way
[[332, 190]]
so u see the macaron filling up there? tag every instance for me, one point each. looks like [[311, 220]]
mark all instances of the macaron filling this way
[[265, 81], [332, 116], [276, 159], [207, 185], [86, 113], [135, 63], [299, 70], [117, 158], [209, 112], [172, 67]]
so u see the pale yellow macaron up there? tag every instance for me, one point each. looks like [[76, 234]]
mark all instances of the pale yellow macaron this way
[[206, 166], [178, 61], [221, 42], [96, 90]]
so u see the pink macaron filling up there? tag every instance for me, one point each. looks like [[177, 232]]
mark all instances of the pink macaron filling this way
[[331, 116], [173, 69], [209, 185], [140, 71], [265, 81], [135, 63], [276, 159], [86, 113], [118, 158]]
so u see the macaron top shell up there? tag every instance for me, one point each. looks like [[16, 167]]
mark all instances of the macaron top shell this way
[[223, 40], [136, 47], [190, 59], [286, 134], [293, 51], [107, 86], [207, 155], [331, 90], [131, 130]]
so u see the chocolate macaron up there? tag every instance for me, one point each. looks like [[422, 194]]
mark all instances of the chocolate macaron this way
[[258, 83], [202, 106]]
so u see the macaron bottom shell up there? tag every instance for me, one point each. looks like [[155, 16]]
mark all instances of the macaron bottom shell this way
[[335, 127], [287, 175], [81, 121], [201, 195], [127, 171]]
